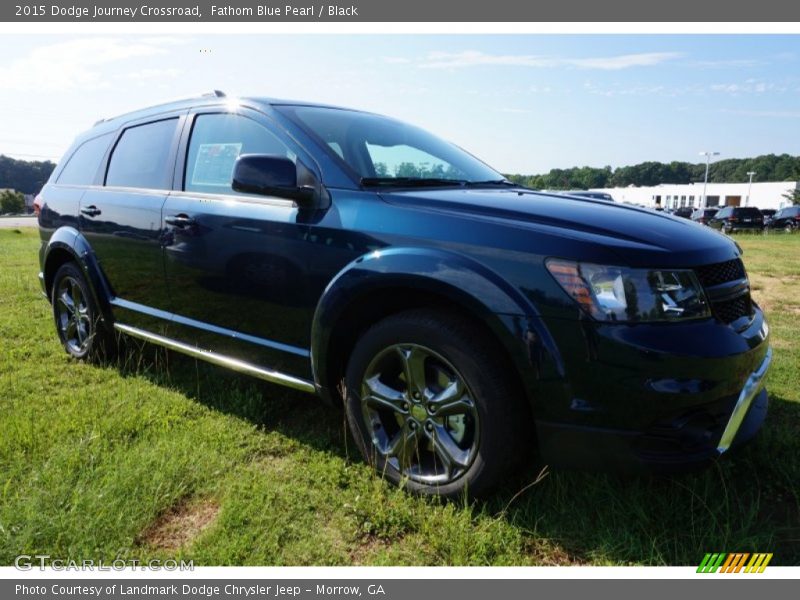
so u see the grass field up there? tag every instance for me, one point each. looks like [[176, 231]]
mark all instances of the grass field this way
[[162, 456]]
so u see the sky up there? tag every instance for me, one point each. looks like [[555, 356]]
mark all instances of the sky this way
[[523, 103]]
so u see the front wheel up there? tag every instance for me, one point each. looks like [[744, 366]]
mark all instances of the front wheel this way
[[433, 406]]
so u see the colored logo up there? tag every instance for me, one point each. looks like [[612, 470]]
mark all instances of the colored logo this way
[[734, 562]]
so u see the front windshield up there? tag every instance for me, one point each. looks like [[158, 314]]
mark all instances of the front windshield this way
[[384, 151]]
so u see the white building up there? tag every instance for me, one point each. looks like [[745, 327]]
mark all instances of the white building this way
[[762, 195]]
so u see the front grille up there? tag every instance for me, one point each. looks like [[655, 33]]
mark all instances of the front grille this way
[[730, 309], [710, 275]]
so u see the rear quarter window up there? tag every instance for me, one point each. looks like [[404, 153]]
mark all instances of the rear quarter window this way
[[82, 165]]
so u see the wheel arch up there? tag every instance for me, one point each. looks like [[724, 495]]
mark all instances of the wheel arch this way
[[386, 282], [67, 244]]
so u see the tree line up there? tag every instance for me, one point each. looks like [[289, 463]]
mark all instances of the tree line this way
[[768, 167], [24, 176]]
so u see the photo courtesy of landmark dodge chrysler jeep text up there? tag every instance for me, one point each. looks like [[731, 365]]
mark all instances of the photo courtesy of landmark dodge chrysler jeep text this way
[[467, 325]]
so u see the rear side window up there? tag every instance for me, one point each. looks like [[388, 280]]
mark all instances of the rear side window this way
[[747, 212], [141, 156], [217, 141], [81, 167]]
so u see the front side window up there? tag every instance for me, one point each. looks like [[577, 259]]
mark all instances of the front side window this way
[[380, 150], [217, 141], [81, 168], [141, 156]]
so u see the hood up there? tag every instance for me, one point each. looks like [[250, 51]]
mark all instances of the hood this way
[[640, 237]]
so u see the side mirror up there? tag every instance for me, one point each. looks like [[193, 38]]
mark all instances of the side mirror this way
[[269, 175]]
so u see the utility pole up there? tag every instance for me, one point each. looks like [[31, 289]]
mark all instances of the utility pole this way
[[749, 187], [708, 156]]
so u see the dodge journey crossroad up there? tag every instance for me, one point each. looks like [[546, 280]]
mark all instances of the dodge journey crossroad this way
[[468, 326]]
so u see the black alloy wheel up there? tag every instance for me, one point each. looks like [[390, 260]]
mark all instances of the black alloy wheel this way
[[77, 319]]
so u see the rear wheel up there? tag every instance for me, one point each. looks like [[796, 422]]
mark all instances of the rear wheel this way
[[76, 316], [788, 228], [432, 406]]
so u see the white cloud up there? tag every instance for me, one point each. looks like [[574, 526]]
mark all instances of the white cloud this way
[[147, 75], [725, 63], [749, 86], [77, 63], [475, 58]]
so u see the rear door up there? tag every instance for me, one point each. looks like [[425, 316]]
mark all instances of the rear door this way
[[236, 263], [121, 219]]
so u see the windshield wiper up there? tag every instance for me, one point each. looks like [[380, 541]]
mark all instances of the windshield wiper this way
[[411, 182], [431, 181], [494, 182]]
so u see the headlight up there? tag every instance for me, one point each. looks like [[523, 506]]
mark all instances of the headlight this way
[[622, 294]]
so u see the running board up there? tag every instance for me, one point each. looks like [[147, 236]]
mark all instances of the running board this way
[[221, 360]]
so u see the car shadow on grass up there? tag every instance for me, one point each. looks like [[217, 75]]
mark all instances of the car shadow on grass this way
[[748, 501]]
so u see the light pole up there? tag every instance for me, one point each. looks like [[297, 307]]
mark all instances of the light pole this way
[[749, 187], [708, 156]]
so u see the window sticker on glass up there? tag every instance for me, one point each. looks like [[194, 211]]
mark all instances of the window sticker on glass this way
[[214, 164]]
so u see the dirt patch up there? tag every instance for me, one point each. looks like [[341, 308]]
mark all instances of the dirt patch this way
[[180, 525], [367, 547]]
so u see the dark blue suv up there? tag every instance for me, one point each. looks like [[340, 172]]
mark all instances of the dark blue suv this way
[[466, 324]]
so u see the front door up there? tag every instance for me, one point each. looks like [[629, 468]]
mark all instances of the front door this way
[[235, 262]]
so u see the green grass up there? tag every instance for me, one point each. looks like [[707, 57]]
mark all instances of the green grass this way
[[162, 456]]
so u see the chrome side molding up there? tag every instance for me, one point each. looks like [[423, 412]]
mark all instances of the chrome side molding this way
[[751, 387], [221, 360]]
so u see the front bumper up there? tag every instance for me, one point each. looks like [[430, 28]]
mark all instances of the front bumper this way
[[687, 441], [652, 398]]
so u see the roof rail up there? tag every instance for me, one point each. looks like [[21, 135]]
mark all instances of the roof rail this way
[[211, 94]]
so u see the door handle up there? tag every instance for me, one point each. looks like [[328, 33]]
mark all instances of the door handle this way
[[179, 221], [91, 210]]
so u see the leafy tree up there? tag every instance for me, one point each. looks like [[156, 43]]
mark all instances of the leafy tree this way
[[11, 202], [26, 176], [769, 167], [793, 196]]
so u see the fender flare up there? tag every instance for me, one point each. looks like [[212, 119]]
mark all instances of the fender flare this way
[[468, 283], [70, 240]]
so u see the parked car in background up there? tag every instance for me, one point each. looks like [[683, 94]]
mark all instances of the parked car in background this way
[[787, 218], [731, 219], [703, 215], [685, 212], [768, 214], [468, 326]]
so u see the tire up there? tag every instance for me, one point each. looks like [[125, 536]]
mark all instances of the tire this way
[[77, 319], [788, 229], [459, 429]]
